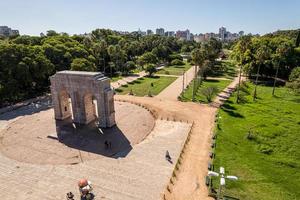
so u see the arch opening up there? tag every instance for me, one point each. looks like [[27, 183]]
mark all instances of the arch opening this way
[[65, 102]]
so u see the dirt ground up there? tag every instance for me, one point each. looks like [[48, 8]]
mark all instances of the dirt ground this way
[[137, 173], [39, 139]]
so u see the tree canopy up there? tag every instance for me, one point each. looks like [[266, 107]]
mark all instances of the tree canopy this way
[[26, 62]]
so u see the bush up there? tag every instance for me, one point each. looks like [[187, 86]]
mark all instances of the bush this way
[[177, 62], [209, 92], [294, 79], [175, 56]]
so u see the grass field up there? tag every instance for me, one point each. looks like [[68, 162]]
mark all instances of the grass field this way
[[188, 94], [141, 86], [175, 70], [223, 69], [259, 142]]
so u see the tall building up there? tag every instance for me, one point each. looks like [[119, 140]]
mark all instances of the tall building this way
[[149, 32], [241, 33], [170, 33], [184, 35], [160, 31], [6, 31], [222, 33]]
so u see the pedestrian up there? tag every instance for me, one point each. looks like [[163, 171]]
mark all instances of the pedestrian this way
[[106, 144], [168, 157]]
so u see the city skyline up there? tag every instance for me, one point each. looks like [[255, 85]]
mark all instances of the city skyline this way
[[33, 17]]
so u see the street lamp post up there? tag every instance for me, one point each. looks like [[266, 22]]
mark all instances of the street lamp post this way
[[222, 176], [183, 80]]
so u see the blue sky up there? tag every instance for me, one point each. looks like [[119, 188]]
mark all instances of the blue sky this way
[[78, 16]]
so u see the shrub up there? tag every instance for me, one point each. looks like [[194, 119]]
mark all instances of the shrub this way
[[175, 56], [177, 62], [294, 79], [209, 92]]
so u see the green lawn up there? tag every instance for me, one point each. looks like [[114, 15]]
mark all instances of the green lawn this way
[[268, 161], [116, 78], [223, 69], [188, 94], [175, 70], [141, 86]]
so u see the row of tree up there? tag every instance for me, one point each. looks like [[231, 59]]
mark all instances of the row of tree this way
[[26, 62], [267, 55]]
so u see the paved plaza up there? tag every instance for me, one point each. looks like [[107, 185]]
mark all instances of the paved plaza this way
[[48, 169]]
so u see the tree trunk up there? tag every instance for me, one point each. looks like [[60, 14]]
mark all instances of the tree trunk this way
[[238, 91], [273, 91], [254, 94]]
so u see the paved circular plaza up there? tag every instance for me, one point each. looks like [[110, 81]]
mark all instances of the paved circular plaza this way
[[38, 139]]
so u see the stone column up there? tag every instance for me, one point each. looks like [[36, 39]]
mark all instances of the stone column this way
[[56, 104], [101, 111], [77, 108], [89, 108], [109, 107]]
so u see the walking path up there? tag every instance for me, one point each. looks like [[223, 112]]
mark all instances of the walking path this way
[[174, 90], [190, 182], [225, 94], [128, 79]]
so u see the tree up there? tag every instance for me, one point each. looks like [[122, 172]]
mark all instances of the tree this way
[[298, 39], [147, 58], [279, 57], [82, 64], [99, 51], [294, 80], [51, 33], [262, 55], [198, 57], [129, 65], [241, 55], [150, 69]]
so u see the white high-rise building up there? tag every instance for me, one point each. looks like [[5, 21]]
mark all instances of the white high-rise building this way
[[222, 33], [6, 31], [160, 31]]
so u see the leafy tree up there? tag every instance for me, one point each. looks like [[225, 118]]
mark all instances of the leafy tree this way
[[198, 57], [82, 64], [129, 65], [147, 58], [262, 55], [51, 33], [294, 80], [150, 69]]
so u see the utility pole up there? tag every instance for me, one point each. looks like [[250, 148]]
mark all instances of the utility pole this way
[[183, 80], [194, 85]]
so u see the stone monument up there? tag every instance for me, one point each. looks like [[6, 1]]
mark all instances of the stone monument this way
[[84, 96]]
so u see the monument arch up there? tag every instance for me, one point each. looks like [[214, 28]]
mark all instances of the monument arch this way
[[84, 96]]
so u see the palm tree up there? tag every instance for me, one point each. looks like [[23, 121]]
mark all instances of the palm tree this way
[[281, 53], [262, 54]]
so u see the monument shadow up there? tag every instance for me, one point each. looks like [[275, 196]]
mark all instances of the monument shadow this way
[[109, 142]]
